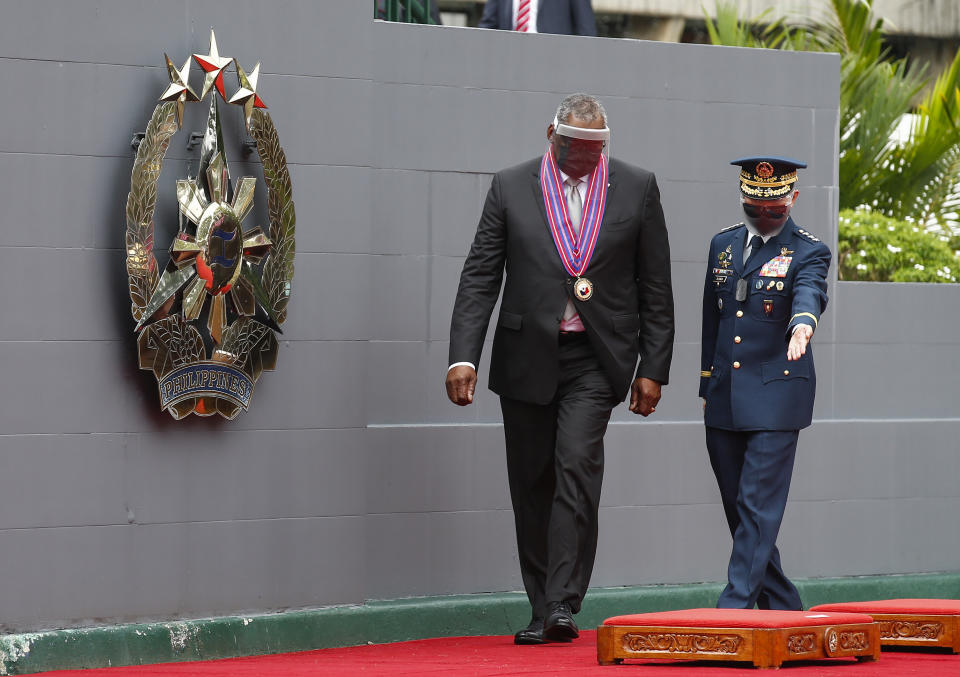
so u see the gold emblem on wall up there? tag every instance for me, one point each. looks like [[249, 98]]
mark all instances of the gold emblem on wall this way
[[207, 321]]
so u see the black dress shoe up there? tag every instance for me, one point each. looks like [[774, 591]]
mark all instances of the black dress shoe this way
[[560, 626], [532, 634]]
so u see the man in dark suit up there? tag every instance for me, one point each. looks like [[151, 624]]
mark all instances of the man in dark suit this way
[[566, 17], [765, 289], [588, 290]]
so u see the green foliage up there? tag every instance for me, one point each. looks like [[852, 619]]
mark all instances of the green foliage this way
[[914, 180], [875, 93], [926, 170], [761, 31], [877, 248]]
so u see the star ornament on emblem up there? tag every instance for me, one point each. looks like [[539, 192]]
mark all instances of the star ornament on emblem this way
[[213, 65], [179, 88], [247, 96]]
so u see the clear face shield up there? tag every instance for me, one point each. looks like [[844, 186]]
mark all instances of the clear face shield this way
[[577, 150]]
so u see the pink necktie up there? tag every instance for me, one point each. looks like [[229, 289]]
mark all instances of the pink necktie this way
[[523, 16], [574, 204]]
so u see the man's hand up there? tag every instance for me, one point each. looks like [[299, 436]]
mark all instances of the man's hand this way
[[461, 382], [798, 342], [644, 396]]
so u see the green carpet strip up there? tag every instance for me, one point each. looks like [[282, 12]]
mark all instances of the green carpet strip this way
[[393, 621]]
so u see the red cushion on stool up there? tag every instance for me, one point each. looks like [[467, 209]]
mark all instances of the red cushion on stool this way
[[737, 618], [931, 607]]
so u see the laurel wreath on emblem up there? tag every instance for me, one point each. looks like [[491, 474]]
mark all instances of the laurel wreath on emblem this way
[[211, 257]]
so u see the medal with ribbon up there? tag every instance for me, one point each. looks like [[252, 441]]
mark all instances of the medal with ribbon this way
[[575, 250]]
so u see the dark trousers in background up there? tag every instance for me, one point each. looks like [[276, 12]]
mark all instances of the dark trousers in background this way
[[753, 470], [555, 468]]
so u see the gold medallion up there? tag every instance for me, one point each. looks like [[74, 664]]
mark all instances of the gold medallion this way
[[583, 289]]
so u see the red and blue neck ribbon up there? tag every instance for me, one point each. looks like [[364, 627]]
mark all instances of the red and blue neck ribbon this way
[[575, 250]]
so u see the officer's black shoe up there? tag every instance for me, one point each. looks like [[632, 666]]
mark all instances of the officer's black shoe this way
[[560, 626], [532, 634]]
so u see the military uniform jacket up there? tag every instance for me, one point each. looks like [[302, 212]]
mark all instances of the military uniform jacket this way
[[629, 315], [744, 373]]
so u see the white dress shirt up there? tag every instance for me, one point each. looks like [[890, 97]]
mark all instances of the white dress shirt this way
[[581, 187]]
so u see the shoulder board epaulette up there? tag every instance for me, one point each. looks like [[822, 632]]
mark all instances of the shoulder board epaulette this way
[[809, 236], [736, 225]]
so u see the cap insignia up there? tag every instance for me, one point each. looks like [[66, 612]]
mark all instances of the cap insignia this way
[[764, 170]]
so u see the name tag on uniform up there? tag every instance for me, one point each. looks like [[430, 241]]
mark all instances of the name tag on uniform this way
[[741, 294], [776, 267], [721, 275]]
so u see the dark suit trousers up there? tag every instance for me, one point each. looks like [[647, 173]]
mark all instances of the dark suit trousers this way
[[753, 470], [555, 468]]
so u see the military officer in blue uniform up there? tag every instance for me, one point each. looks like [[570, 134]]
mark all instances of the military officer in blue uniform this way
[[764, 293]]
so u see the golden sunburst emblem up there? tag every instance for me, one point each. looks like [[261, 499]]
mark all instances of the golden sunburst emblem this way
[[220, 254], [239, 278]]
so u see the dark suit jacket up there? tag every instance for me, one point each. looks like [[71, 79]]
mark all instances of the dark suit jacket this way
[[764, 391], [567, 17], [630, 313]]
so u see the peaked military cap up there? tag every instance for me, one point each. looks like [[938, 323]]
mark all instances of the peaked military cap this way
[[767, 177]]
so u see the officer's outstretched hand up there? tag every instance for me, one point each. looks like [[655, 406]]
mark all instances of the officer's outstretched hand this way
[[644, 396], [798, 342], [461, 382]]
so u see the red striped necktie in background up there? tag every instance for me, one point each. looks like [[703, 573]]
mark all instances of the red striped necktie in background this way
[[523, 16]]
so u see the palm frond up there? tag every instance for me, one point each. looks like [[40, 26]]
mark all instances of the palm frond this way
[[937, 202], [728, 29], [916, 179], [874, 97], [927, 173]]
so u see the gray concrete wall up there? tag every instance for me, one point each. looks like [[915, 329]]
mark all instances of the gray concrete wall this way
[[352, 477]]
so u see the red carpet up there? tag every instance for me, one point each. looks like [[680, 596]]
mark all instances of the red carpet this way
[[479, 656]]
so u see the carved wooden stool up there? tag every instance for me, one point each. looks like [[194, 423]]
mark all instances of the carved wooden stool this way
[[765, 638], [910, 622]]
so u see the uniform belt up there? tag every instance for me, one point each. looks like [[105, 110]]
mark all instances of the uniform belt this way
[[572, 336]]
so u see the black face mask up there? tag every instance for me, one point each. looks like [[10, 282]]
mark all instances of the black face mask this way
[[577, 157], [765, 220]]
